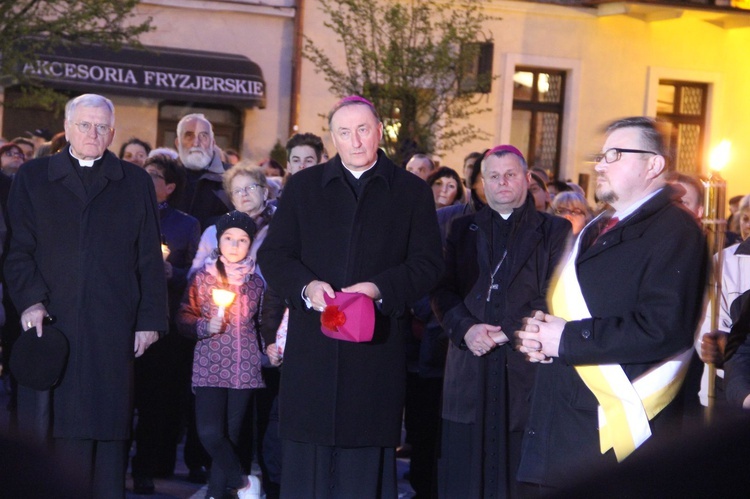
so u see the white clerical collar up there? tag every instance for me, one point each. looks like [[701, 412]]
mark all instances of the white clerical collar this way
[[84, 162], [359, 173]]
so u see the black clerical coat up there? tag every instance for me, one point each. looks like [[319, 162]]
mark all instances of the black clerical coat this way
[[333, 392], [492, 392], [94, 260]]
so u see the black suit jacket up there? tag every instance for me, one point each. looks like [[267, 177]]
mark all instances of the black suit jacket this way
[[643, 283]]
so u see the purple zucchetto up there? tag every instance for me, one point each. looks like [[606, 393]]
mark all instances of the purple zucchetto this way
[[504, 148]]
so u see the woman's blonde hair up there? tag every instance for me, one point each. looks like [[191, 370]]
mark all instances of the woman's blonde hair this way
[[244, 167], [571, 199]]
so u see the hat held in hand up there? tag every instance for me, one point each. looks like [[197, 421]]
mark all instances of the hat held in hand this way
[[39, 363], [348, 317]]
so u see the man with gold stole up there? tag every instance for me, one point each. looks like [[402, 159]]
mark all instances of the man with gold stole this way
[[624, 308]]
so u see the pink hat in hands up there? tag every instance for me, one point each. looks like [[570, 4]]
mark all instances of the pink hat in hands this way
[[348, 317]]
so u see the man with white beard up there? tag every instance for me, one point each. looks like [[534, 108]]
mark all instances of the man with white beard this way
[[204, 196]]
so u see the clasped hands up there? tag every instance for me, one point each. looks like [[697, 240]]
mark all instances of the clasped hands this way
[[316, 291], [481, 339], [539, 337]]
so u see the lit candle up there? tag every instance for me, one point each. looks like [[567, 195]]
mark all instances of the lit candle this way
[[223, 298], [714, 224], [164, 251]]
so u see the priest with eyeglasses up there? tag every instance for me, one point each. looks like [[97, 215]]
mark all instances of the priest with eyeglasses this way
[[85, 255]]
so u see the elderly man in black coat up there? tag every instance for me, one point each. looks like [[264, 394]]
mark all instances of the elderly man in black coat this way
[[359, 224], [85, 249], [204, 197], [617, 344], [499, 262]]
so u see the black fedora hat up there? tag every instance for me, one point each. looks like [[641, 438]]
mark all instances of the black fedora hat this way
[[39, 363]]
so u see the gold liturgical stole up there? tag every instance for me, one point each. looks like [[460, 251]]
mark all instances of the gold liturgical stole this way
[[625, 408]]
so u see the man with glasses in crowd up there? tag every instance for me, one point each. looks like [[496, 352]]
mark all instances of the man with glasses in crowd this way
[[627, 301], [85, 250]]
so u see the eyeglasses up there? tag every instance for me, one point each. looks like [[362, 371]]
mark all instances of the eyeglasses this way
[[614, 154], [156, 175], [246, 190], [564, 211], [85, 127], [15, 154]]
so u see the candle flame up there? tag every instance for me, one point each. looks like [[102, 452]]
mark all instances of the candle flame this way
[[222, 297], [720, 155], [165, 251]]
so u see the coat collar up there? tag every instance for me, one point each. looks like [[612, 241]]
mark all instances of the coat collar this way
[[60, 166], [384, 169], [632, 227], [743, 248], [524, 237], [529, 216]]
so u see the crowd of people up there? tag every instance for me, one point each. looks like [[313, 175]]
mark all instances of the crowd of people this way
[[522, 337]]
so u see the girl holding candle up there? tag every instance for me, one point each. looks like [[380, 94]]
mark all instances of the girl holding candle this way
[[222, 310]]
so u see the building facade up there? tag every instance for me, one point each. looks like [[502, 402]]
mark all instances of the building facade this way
[[562, 70], [230, 60]]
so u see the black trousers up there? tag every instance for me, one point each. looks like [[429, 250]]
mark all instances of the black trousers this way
[[157, 402], [218, 417], [425, 435], [320, 471], [34, 410], [102, 463], [472, 466]]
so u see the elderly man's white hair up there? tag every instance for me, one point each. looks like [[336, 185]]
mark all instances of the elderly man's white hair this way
[[89, 100], [191, 117], [164, 151]]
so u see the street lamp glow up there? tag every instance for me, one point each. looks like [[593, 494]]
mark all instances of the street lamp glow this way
[[720, 155]]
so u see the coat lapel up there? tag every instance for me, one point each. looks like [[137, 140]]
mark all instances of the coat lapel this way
[[632, 227], [524, 238], [60, 168], [111, 170]]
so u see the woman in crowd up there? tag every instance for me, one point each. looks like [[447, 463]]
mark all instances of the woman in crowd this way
[[538, 189], [227, 360], [573, 207], [11, 158], [136, 151], [247, 188], [446, 186]]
